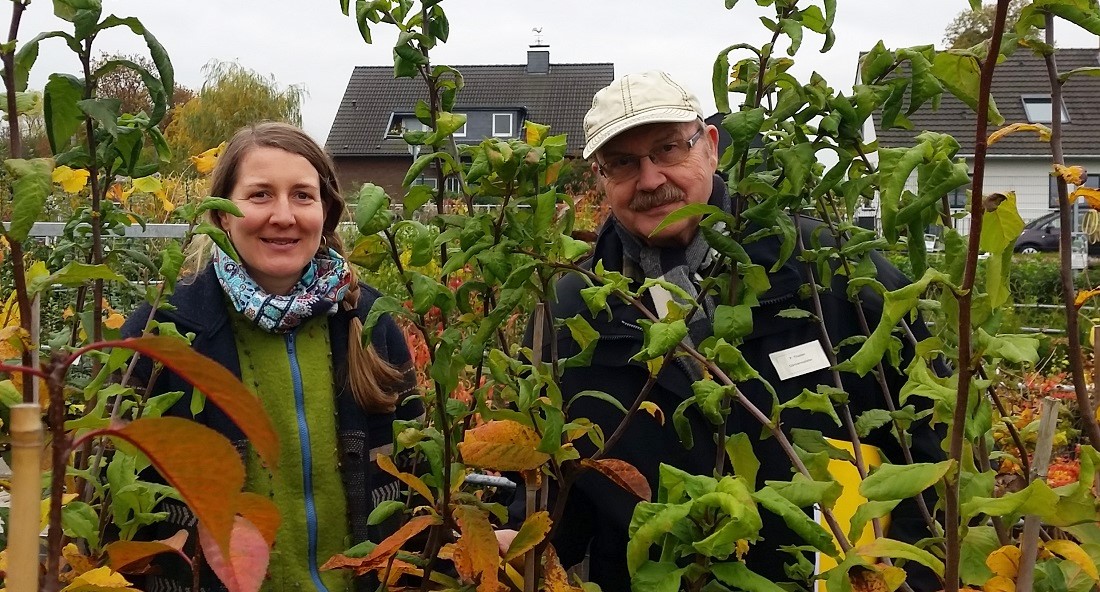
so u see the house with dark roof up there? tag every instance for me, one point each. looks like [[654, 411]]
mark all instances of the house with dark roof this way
[[1021, 162], [365, 140]]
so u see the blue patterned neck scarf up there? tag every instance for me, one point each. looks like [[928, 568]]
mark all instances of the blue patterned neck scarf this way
[[322, 287]]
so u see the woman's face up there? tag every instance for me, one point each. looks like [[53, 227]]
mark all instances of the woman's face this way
[[279, 194]]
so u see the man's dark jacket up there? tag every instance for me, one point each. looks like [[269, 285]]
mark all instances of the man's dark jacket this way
[[598, 512], [201, 308]]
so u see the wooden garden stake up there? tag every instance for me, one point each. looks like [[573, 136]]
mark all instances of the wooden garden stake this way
[[1029, 542], [26, 496]]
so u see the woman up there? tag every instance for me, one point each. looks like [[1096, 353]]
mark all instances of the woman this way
[[287, 320]]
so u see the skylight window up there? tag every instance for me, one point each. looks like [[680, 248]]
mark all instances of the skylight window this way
[[1037, 108]]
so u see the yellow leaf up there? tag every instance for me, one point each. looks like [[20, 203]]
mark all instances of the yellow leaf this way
[[651, 408], [14, 340], [1074, 175], [503, 445], [476, 555], [1071, 551], [117, 193], [386, 464], [71, 180], [79, 562], [1042, 130], [1092, 196], [101, 579], [740, 548], [204, 163], [1004, 561], [532, 532], [114, 321], [1083, 296], [45, 508], [999, 584]]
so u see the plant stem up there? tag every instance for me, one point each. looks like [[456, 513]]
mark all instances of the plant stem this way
[[59, 445], [966, 362], [1076, 355]]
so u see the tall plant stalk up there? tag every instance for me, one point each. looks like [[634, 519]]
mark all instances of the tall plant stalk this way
[[968, 363]]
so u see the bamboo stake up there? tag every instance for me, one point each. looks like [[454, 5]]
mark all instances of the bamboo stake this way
[[26, 496], [1029, 542]]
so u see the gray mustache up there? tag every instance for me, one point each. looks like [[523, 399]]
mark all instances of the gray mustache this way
[[645, 200]]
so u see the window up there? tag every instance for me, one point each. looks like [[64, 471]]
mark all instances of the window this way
[[451, 185], [461, 132], [956, 200], [1038, 110], [429, 181], [1091, 181], [396, 126], [502, 125]]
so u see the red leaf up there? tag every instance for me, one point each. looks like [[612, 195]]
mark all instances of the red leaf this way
[[218, 384], [134, 556], [623, 474], [245, 568]]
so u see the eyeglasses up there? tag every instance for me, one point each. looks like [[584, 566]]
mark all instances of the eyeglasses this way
[[627, 166]]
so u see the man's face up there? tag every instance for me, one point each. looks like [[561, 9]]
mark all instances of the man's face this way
[[642, 196]]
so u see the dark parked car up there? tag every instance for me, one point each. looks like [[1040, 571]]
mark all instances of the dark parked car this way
[[1041, 235]]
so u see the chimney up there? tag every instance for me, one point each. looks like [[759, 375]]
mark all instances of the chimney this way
[[538, 59]]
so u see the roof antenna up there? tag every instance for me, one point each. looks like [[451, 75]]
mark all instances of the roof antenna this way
[[538, 36]]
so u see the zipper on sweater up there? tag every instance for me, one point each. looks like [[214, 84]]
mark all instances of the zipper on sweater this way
[[307, 461]]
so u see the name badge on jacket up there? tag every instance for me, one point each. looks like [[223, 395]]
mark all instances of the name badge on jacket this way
[[799, 360]]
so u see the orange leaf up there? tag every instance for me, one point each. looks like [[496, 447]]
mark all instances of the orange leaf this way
[[1074, 175], [623, 474], [135, 556], [210, 487], [261, 512], [379, 557], [1092, 196], [218, 384], [477, 556], [534, 529], [386, 464], [502, 445], [1004, 561], [114, 321], [245, 568]]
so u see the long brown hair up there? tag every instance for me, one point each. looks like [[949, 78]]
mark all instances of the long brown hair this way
[[371, 378]]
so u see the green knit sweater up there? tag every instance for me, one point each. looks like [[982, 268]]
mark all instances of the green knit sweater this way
[[266, 368]]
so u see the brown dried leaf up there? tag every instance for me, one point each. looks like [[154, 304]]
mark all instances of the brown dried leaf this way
[[1074, 175], [623, 474]]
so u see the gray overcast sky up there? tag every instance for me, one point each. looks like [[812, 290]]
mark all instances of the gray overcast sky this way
[[311, 43]]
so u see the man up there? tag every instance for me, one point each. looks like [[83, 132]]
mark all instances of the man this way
[[653, 153]]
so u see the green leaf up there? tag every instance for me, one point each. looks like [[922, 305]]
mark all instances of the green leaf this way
[[219, 237], [219, 204], [586, 337], [645, 535], [797, 520], [691, 211], [804, 492], [655, 576], [743, 127], [79, 520], [383, 511], [979, 543], [602, 396], [61, 109], [417, 196], [739, 451], [104, 111], [1037, 498], [732, 322], [660, 337], [371, 210], [171, 261], [875, 64], [960, 74], [867, 512], [884, 547], [896, 482], [871, 420], [30, 189], [75, 274], [738, 575], [808, 400]]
